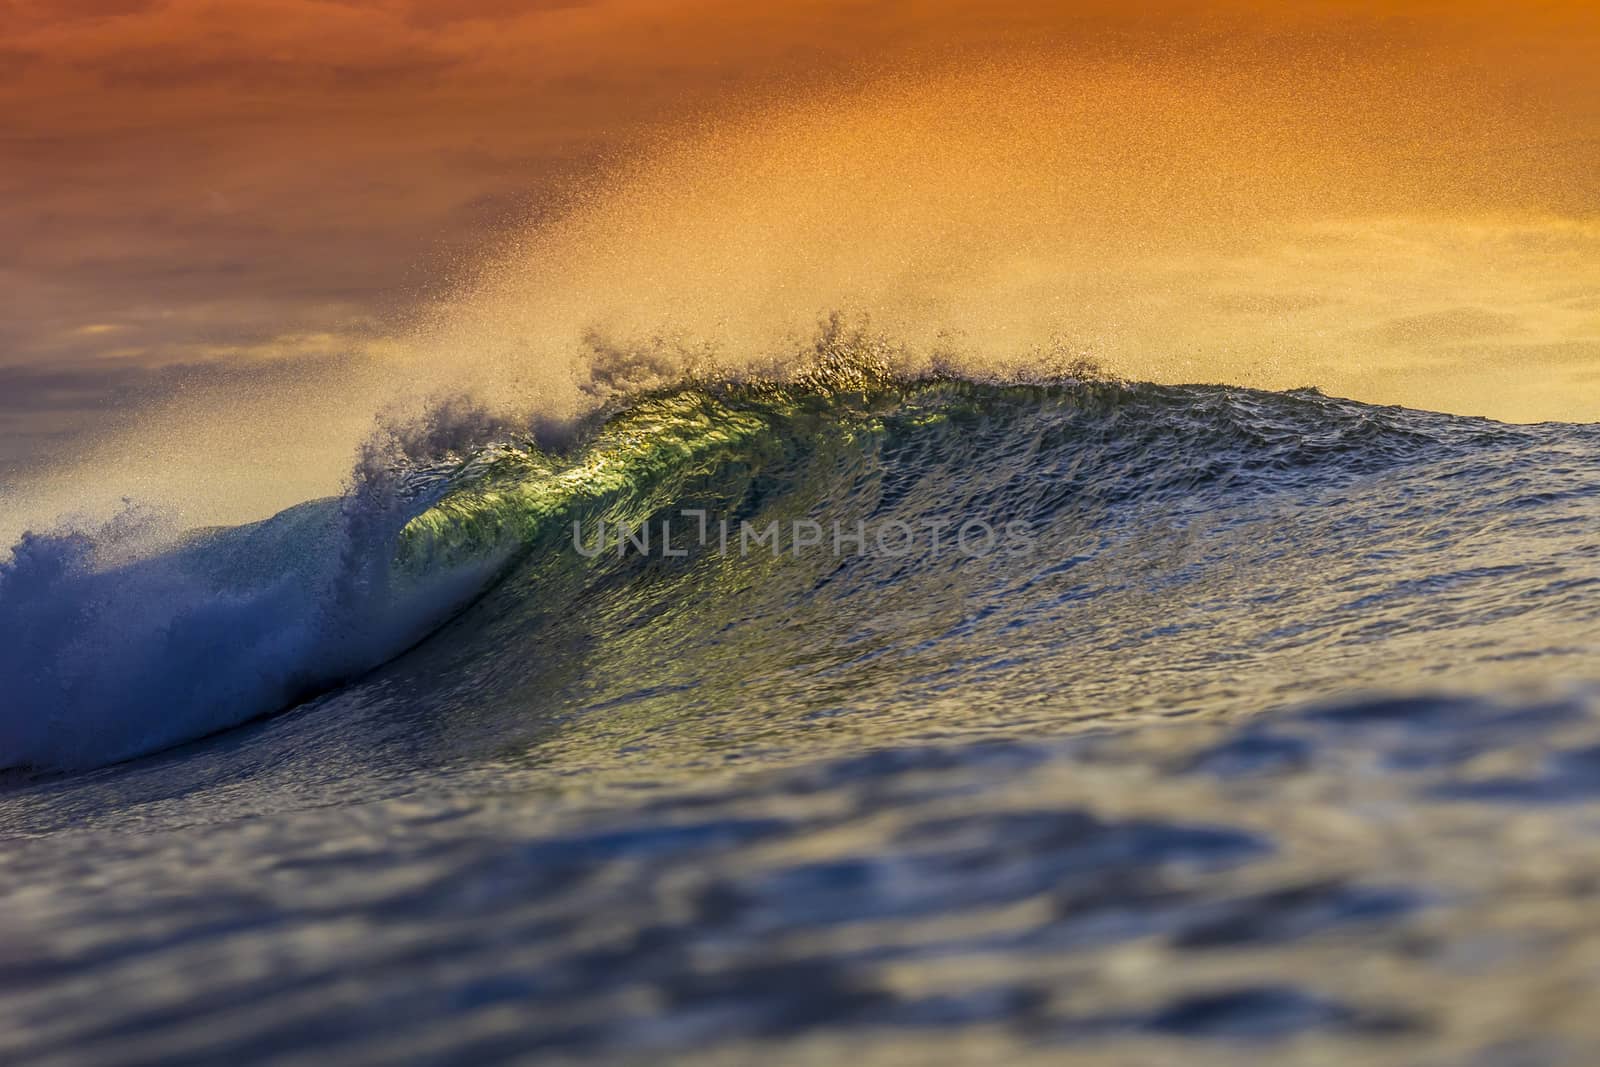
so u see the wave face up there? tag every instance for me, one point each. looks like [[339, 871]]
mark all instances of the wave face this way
[[1175, 549], [1190, 550], [1077, 614]]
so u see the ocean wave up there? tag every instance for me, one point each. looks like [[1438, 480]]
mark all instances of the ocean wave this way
[[125, 642]]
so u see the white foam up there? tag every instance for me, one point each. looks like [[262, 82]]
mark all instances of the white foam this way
[[127, 638]]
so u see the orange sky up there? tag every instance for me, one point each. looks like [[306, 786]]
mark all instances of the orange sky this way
[[221, 182]]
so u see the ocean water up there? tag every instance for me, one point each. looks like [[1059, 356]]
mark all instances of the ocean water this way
[[1239, 725]]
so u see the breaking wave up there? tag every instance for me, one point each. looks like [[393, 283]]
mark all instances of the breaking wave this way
[[126, 640]]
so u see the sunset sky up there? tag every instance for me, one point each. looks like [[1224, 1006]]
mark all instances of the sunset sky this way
[[203, 195]]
